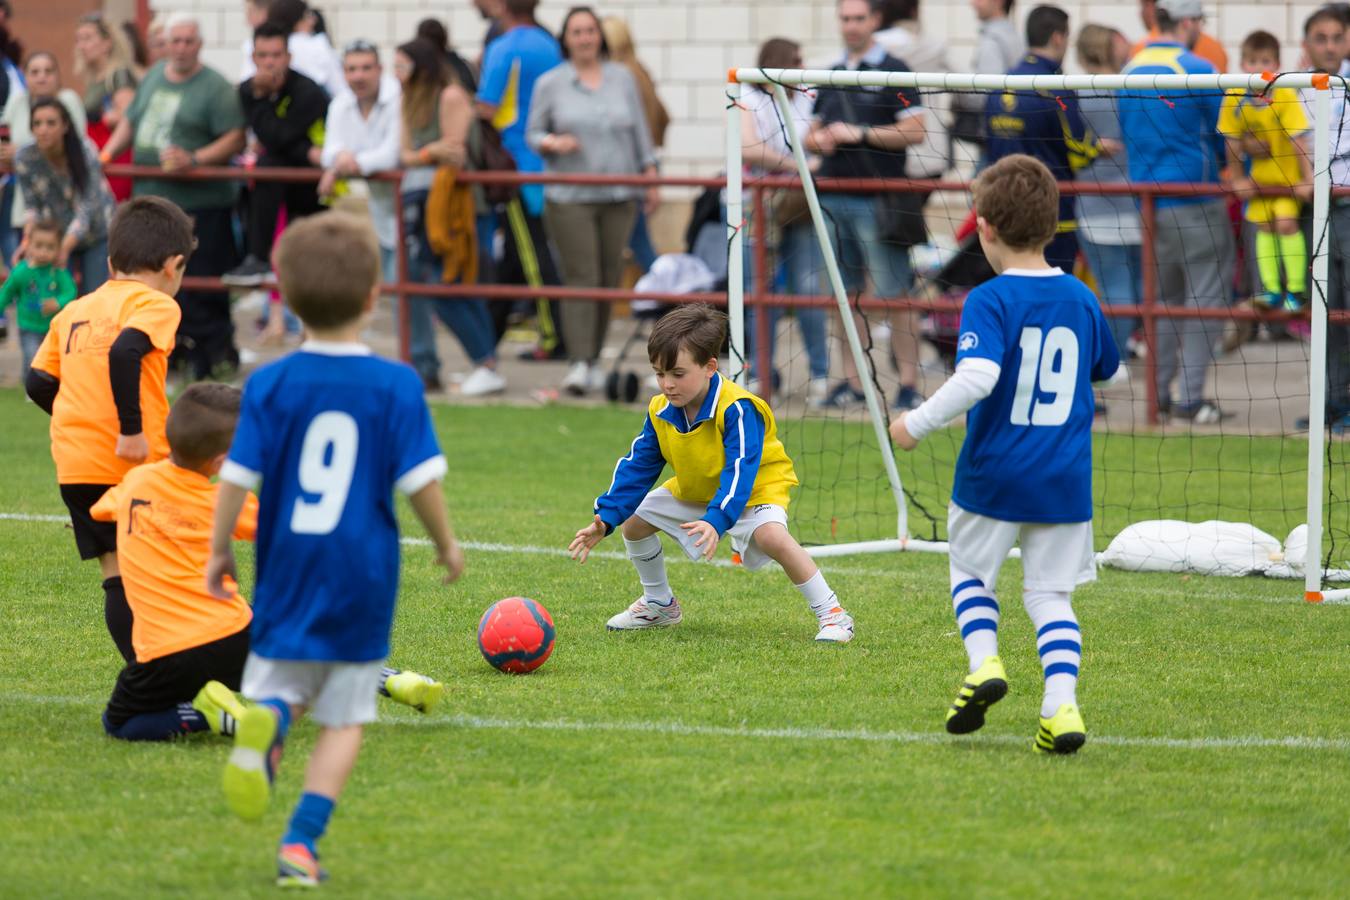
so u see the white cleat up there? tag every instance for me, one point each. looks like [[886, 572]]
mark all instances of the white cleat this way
[[646, 613], [836, 627]]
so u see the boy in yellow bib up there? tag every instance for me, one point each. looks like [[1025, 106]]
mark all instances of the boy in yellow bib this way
[[1276, 121], [732, 475]]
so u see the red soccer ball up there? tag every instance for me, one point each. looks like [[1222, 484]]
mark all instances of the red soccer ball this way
[[516, 635]]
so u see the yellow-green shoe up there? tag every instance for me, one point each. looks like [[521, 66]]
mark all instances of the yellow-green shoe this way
[[982, 689], [1062, 733], [253, 763], [220, 706], [411, 689]]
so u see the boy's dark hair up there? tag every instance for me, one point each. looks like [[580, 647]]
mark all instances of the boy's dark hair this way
[[695, 327], [1043, 23], [201, 424], [145, 232], [270, 30], [50, 226], [326, 267], [1260, 42], [1019, 197]]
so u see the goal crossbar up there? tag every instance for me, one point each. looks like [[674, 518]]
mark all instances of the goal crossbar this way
[[943, 81]]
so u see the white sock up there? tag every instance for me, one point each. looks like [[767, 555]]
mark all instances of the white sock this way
[[977, 616], [817, 593], [650, 561], [1059, 643]]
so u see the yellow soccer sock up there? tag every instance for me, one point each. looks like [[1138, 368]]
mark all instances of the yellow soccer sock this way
[[1294, 256], [1268, 261]]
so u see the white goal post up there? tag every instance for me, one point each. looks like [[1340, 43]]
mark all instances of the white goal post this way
[[779, 78]]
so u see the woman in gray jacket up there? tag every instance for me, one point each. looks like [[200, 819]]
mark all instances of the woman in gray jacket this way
[[586, 116]]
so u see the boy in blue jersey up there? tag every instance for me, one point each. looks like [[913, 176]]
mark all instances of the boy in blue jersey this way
[[1033, 341], [325, 436], [731, 475]]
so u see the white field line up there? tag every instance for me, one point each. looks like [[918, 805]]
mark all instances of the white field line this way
[[681, 729], [826, 563]]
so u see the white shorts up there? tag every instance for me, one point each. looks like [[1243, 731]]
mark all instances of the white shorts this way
[[1054, 557], [660, 509], [337, 694]]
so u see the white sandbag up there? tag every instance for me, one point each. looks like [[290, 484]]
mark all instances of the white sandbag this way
[[1205, 548]]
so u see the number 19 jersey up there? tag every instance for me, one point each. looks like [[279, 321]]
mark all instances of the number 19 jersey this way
[[1027, 456], [325, 436]]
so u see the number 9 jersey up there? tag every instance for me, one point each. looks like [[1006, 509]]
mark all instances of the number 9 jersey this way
[[1027, 456], [325, 436]]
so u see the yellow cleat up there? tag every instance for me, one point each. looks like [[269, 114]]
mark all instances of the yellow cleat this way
[[1062, 733], [220, 706], [982, 688], [412, 689]]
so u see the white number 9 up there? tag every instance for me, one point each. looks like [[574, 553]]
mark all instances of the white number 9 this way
[[330, 479]]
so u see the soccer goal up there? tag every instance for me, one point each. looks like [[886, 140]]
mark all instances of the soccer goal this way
[[1255, 462]]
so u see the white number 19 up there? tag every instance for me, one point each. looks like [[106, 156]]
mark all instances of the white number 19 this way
[[325, 472], [1050, 368]]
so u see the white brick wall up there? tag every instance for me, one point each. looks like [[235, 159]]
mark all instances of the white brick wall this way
[[689, 44]]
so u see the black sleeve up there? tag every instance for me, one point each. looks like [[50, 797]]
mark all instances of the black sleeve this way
[[289, 137], [124, 371], [42, 388]]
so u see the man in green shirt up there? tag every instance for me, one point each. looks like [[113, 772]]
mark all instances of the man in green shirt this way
[[187, 115]]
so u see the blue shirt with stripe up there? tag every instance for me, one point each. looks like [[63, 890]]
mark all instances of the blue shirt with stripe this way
[[1172, 135]]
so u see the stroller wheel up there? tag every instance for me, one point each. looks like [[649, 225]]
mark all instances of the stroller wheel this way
[[630, 387], [612, 386]]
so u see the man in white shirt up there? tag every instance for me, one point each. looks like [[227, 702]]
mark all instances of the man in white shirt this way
[[361, 137]]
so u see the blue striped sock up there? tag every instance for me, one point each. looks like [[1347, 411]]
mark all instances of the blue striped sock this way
[[976, 615], [1059, 643]]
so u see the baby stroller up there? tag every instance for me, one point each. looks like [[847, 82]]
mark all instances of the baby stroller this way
[[703, 268]]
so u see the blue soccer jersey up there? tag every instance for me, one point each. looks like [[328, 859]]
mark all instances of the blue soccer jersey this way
[[325, 436], [1027, 456]]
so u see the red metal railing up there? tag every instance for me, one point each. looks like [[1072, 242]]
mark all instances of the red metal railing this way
[[1148, 312]]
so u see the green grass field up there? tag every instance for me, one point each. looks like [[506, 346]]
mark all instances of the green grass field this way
[[729, 757]]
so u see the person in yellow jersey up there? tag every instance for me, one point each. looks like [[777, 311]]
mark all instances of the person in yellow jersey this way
[[1277, 120], [732, 475]]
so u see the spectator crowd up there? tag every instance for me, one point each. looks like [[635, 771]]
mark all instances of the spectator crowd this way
[[580, 102]]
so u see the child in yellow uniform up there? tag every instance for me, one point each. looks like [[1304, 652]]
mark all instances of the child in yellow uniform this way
[[1277, 122], [732, 475]]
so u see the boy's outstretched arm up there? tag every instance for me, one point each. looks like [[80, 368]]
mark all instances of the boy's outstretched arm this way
[[229, 501], [634, 476], [973, 380], [429, 504]]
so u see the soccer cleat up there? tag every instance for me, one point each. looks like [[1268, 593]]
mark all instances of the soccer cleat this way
[[253, 763], [1062, 733], [412, 689], [298, 867], [220, 706], [836, 627], [1291, 303], [982, 689], [646, 614]]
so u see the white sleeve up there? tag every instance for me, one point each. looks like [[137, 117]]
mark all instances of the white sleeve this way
[[973, 381]]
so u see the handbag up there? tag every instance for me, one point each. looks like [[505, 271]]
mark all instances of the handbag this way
[[489, 154], [900, 218]]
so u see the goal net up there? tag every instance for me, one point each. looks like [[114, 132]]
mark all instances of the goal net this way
[[852, 246]]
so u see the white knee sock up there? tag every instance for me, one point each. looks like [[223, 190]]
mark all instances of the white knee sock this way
[[650, 561], [1059, 643], [977, 616], [818, 594]]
